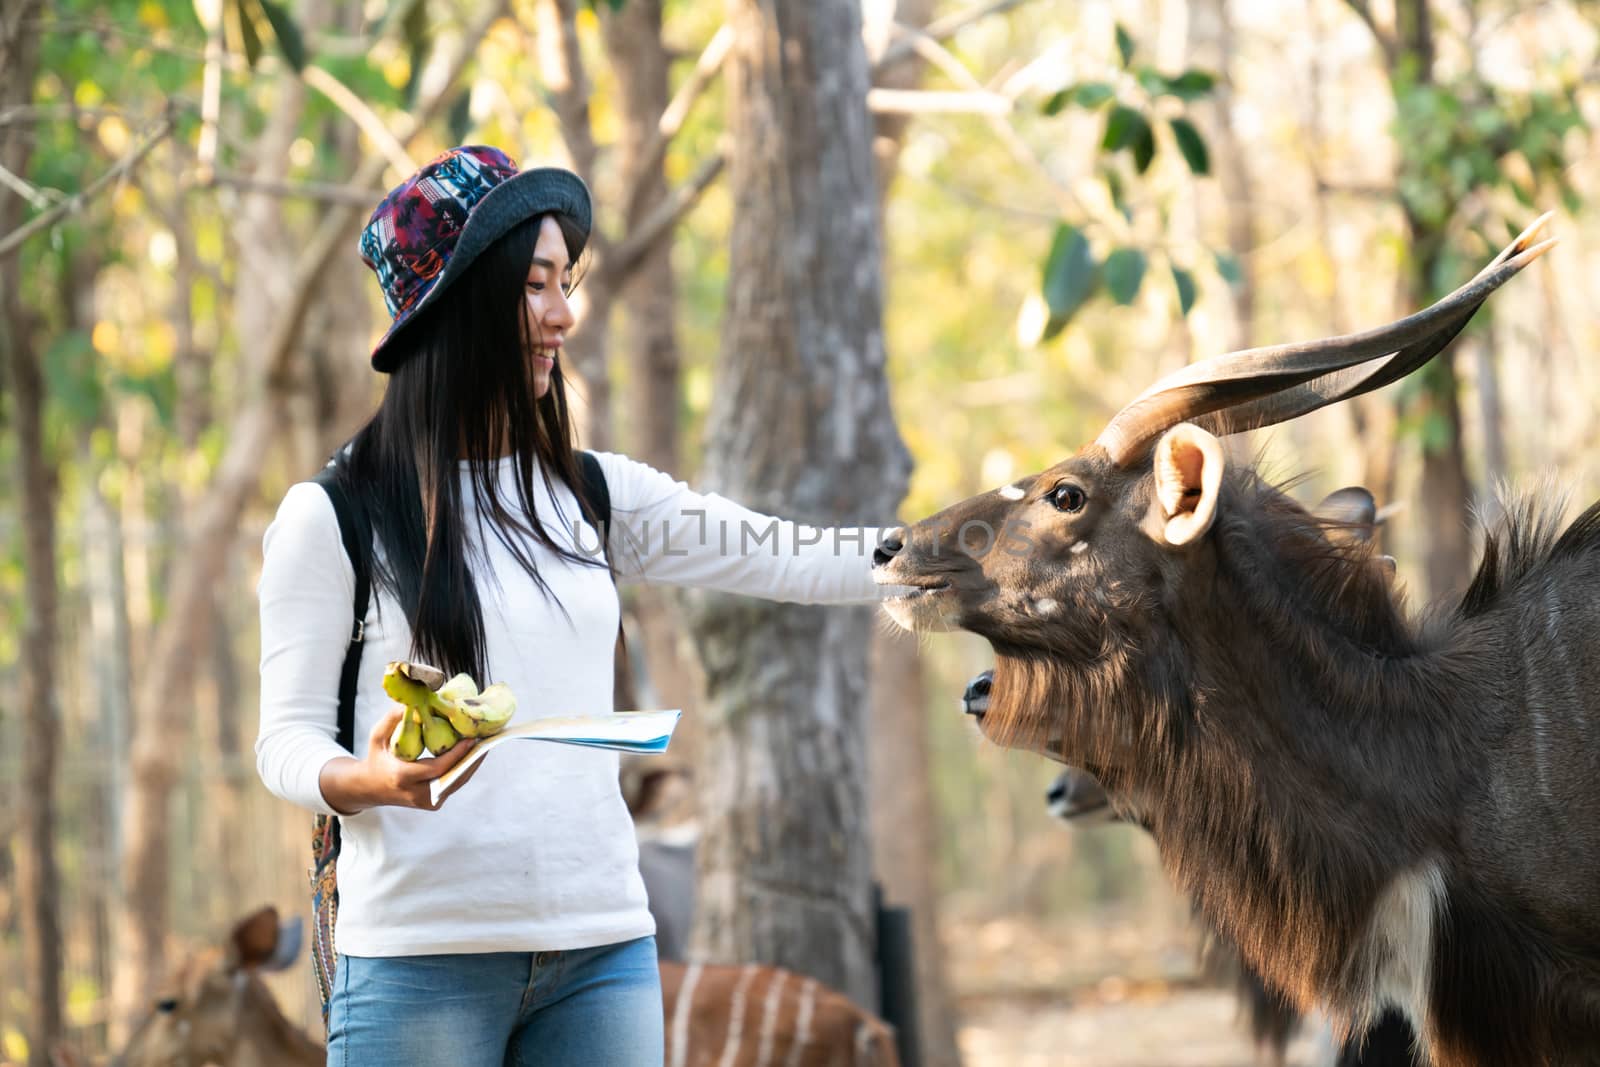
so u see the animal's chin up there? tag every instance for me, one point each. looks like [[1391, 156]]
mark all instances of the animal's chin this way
[[922, 608]]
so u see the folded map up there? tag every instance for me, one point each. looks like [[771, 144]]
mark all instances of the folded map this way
[[624, 731]]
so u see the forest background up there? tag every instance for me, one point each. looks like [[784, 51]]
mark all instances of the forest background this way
[[987, 226]]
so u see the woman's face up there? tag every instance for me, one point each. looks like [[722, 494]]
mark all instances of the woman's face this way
[[549, 314]]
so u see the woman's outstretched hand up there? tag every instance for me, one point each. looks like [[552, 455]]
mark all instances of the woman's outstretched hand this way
[[350, 785]]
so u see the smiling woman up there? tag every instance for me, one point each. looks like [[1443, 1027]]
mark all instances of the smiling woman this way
[[513, 918]]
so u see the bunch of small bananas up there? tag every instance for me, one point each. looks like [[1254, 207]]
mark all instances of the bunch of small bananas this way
[[438, 712]]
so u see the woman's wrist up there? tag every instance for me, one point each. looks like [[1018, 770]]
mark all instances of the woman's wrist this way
[[344, 787]]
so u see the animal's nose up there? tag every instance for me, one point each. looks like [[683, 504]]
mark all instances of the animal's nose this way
[[889, 546], [975, 701]]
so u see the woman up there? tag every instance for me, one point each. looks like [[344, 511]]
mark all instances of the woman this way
[[510, 925]]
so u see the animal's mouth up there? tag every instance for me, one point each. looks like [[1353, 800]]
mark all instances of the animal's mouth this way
[[900, 591]]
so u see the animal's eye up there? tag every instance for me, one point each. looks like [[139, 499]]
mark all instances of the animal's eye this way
[[170, 1004], [1067, 497]]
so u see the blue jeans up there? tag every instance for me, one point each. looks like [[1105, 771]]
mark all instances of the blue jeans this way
[[592, 1007]]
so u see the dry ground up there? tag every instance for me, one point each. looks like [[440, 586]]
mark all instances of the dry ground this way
[[1109, 991]]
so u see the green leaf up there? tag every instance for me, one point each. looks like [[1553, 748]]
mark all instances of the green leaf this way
[[1228, 267], [1069, 276], [1192, 145], [290, 42], [1123, 128], [1114, 186], [1522, 192], [1192, 84], [1124, 44], [1057, 100], [1154, 82], [248, 36], [1186, 290], [1093, 94], [1144, 146], [1124, 271]]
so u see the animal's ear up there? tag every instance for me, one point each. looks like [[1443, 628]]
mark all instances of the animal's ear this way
[[1188, 473], [254, 939], [1351, 506]]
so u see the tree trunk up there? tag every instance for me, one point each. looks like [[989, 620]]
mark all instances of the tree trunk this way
[[182, 640], [904, 819], [107, 660], [586, 351], [1446, 494], [905, 843], [1211, 24], [38, 882], [801, 426], [646, 336], [648, 300]]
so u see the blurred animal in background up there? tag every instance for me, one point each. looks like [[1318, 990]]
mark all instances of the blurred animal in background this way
[[659, 792], [215, 1010]]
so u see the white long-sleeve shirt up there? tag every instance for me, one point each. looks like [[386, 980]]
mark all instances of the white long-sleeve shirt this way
[[536, 852]]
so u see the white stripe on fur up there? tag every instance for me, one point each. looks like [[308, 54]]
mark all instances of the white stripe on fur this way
[[680, 1016], [769, 1019], [730, 1049], [802, 1022]]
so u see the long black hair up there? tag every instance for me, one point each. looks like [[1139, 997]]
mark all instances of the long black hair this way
[[462, 398]]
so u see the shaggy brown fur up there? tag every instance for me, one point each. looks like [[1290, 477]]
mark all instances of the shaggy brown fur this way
[[1301, 744]]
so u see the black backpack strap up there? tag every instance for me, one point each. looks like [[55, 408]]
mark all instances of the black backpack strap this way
[[595, 490], [357, 537]]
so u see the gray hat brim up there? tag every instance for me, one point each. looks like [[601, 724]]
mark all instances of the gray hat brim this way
[[531, 193]]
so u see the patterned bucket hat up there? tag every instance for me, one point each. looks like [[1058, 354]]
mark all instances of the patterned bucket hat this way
[[431, 226]]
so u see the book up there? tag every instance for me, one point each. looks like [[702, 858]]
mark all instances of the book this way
[[646, 732]]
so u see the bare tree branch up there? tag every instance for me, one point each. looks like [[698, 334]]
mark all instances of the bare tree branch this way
[[561, 60], [1361, 190], [13, 116], [933, 101], [363, 116], [77, 201], [677, 110], [629, 252], [211, 86], [39, 196], [1386, 40], [326, 192], [940, 29]]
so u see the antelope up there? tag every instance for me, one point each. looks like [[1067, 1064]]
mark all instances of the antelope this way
[[1378, 812], [1350, 516], [219, 1012]]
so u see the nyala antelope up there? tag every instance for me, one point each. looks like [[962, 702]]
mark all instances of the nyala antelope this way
[[1377, 812], [1349, 515]]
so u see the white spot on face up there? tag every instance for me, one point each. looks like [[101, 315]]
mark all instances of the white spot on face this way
[[1081, 546], [1045, 606], [1012, 492]]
